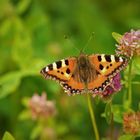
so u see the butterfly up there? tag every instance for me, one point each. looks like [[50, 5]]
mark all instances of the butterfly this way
[[85, 73]]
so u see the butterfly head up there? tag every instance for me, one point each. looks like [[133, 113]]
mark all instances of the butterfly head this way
[[82, 60]]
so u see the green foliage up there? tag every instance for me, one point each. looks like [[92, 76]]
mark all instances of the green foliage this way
[[117, 37], [118, 111], [108, 113], [7, 136], [114, 112], [32, 36], [9, 83], [136, 65], [126, 137]]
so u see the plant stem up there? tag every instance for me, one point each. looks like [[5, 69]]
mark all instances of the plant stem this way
[[129, 83], [111, 119], [112, 127], [91, 111]]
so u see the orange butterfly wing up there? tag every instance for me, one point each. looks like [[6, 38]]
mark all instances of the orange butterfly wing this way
[[61, 71], [107, 66]]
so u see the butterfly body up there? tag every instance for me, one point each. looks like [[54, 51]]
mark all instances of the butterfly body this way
[[85, 73], [84, 70]]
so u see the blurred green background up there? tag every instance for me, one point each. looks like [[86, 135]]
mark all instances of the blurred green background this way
[[32, 36]]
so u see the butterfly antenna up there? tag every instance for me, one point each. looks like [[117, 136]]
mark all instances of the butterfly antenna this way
[[90, 37], [70, 42]]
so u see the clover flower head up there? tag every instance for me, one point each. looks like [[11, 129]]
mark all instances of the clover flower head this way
[[131, 123], [41, 107], [129, 44]]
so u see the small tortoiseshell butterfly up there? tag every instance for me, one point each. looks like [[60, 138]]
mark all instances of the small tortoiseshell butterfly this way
[[86, 73]]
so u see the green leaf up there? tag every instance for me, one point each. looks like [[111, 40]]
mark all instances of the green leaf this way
[[139, 106], [36, 132], [22, 45], [3, 5], [118, 111], [62, 129], [136, 82], [22, 6], [126, 137], [117, 37], [126, 104], [136, 65], [25, 101], [97, 100], [7, 136], [9, 83], [25, 115], [108, 113], [5, 27]]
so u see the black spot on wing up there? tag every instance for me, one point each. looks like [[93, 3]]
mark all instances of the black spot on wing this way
[[101, 67], [68, 71], [99, 58], [117, 59], [50, 67], [66, 62], [108, 58], [59, 64]]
